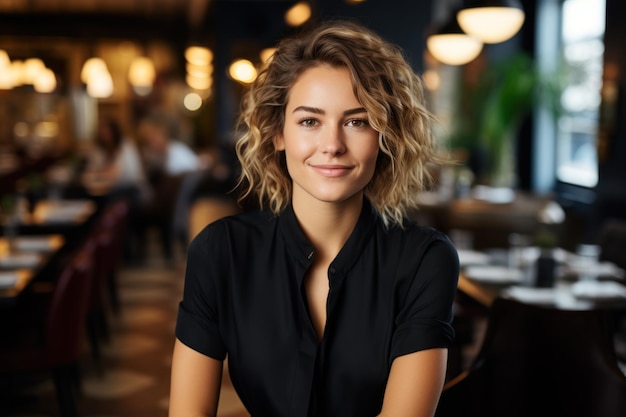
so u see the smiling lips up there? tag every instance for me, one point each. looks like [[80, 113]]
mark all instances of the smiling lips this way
[[332, 171]]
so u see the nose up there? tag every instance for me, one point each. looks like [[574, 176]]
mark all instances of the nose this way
[[332, 141]]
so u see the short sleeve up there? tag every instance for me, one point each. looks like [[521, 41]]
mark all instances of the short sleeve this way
[[424, 321], [197, 325]]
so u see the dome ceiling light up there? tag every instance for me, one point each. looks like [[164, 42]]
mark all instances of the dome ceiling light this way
[[492, 21], [298, 14], [141, 75], [242, 71], [450, 45]]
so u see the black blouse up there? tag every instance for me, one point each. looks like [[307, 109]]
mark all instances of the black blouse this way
[[391, 293]]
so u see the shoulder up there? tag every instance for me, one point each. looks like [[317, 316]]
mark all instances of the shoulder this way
[[413, 244], [181, 147], [128, 147], [418, 235]]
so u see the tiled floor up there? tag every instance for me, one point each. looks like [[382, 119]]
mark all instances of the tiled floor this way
[[136, 360]]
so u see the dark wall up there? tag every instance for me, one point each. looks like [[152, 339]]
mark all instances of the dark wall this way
[[241, 29], [401, 22], [611, 189], [612, 166], [524, 148]]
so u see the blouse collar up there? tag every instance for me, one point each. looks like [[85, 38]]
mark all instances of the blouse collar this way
[[304, 252]]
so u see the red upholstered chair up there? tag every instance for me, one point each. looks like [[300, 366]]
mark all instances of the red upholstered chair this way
[[540, 361], [113, 221], [53, 341], [108, 235]]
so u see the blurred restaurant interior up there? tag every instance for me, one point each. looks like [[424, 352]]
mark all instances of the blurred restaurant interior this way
[[92, 247]]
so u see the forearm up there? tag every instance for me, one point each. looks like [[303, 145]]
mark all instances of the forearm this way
[[415, 384]]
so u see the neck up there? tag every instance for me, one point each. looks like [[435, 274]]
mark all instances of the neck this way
[[328, 225]]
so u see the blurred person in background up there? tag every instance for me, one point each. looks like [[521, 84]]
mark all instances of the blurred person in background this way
[[167, 161], [114, 163], [162, 150], [114, 169]]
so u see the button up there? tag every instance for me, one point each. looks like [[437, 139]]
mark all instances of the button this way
[[332, 270]]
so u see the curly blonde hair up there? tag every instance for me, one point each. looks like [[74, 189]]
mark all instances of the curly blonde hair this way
[[383, 83]]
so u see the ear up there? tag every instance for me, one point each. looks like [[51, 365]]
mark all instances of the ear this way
[[279, 142]]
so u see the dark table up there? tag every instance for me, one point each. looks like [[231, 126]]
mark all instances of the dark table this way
[[22, 259]]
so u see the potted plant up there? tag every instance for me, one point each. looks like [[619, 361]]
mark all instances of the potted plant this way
[[492, 109]]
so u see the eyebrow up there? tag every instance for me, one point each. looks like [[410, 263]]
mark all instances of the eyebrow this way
[[317, 110]]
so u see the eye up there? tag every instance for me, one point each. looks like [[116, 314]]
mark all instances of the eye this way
[[308, 122], [357, 123]]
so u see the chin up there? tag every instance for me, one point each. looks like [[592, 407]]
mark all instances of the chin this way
[[336, 197]]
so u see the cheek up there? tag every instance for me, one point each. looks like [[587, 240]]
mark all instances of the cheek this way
[[370, 153], [298, 147]]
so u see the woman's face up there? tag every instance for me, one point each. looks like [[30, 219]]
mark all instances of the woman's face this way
[[330, 148]]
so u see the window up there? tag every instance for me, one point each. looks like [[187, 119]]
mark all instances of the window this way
[[583, 24]]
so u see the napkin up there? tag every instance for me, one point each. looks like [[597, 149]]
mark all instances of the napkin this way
[[65, 211], [471, 257], [599, 290], [20, 260], [494, 274], [599, 269], [532, 295], [61, 216], [33, 243], [8, 279]]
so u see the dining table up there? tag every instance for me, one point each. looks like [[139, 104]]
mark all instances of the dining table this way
[[67, 217], [579, 282], [33, 240], [58, 212], [22, 258]]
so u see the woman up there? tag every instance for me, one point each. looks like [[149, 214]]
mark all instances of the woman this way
[[114, 162], [327, 302]]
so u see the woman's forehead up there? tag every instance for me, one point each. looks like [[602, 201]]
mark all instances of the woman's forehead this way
[[320, 84]]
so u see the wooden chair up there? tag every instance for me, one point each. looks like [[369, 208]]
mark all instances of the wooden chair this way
[[53, 341], [205, 210], [539, 361]]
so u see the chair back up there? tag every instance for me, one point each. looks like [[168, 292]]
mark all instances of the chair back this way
[[66, 320], [114, 221], [612, 242], [205, 210], [540, 361]]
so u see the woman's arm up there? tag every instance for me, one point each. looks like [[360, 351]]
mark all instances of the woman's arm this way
[[195, 383], [415, 384]]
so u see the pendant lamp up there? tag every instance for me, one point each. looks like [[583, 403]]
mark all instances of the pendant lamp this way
[[449, 44], [492, 21], [96, 75], [141, 75]]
